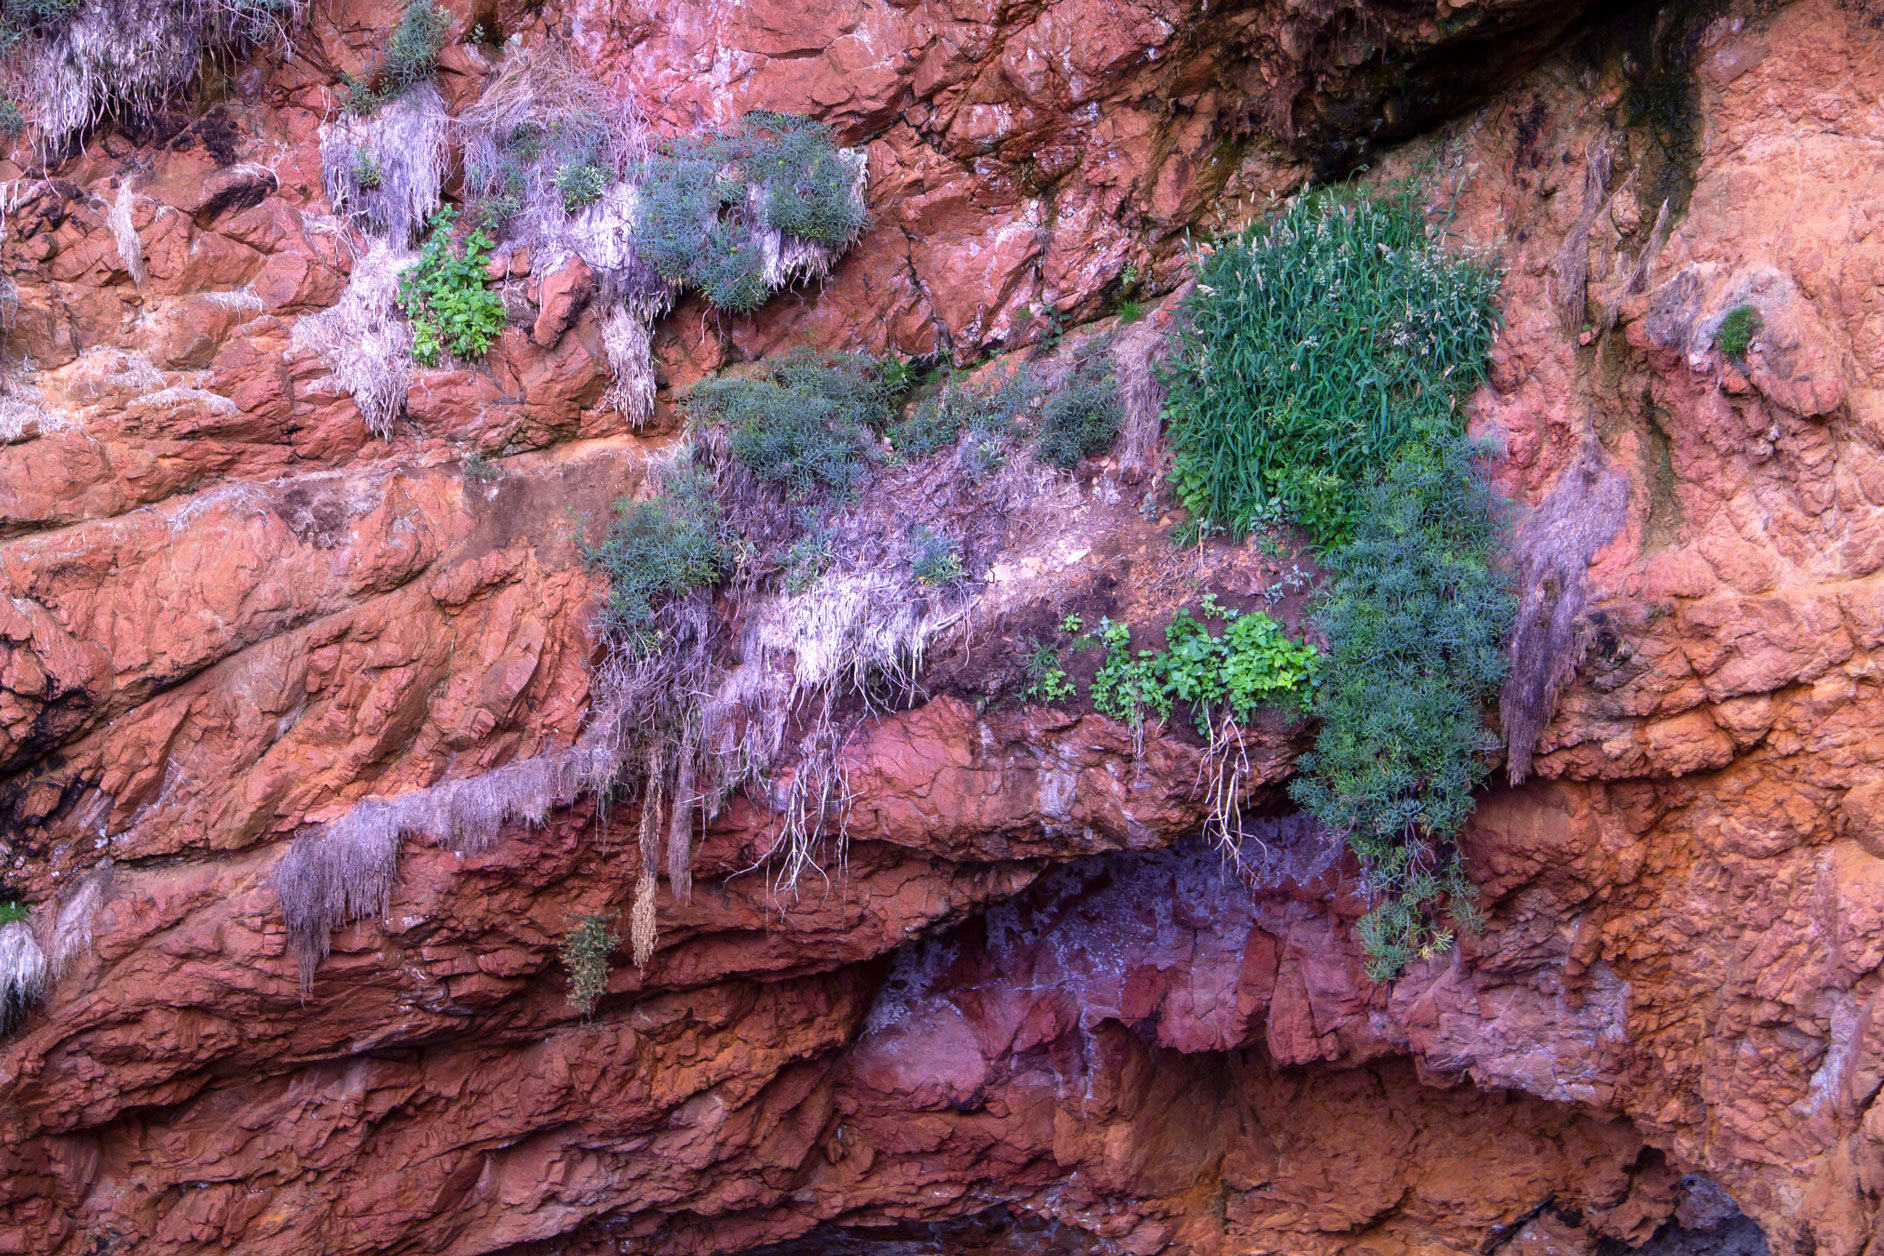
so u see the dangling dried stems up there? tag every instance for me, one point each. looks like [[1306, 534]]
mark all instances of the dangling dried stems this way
[[1551, 555], [111, 55], [386, 171], [23, 974], [364, 340], [344, 870]]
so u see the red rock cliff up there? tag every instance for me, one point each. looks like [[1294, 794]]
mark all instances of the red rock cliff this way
[[1032, 1013]]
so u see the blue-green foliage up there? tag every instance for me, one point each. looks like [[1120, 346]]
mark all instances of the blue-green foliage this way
[[986, 408], [694, 229], [1081, 418], [664, 547], [803, 421], [1416, 621], [1315, 349]]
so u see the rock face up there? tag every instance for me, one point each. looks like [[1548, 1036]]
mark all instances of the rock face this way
[[1029, 1011]]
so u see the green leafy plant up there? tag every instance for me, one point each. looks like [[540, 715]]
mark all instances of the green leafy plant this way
[[664, 547], [585, 954], [580, 185], [446, 295], [367, 174], [1081, 418], [937, 561], [1047, 680], [1736, 332], [1315, 350], [12, 121], [802, 421], [1252, 663], [476, 467]]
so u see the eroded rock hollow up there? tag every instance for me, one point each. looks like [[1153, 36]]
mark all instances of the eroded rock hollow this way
[[320, 749]]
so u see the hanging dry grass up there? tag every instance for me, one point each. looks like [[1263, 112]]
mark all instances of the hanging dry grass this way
[[112, 56], [363, 338], [385, 171], [23, 974], [1551, 555]]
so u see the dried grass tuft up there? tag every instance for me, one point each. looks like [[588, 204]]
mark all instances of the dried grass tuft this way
[[408, 142], [129, 55], [1551, 554], [1571, 281], [130, 248], [72, 930], [344, 870], [23, 413], [1135, 353], [23, 974], [363, 338]]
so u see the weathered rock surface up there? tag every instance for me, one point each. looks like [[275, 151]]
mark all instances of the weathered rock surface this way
[[1023, 1015]]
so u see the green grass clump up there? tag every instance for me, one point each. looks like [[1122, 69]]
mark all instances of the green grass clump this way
[[664, 547], [937, 561], [11, 909], [411, 57], [446, 296], [1316, 348], [585, 958], [804, 422], [1251, 663], [1081, 419], [1416, 621], [986, 408], [1735, 336]]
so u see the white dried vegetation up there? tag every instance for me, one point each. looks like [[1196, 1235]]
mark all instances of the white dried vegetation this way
[[363, 338], [130, 248], [115, 55], [24, 974], [344, 870], [405, 144]]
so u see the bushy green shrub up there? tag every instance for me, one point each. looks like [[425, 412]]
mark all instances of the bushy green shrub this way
[[1735, 336], [1081, 418], [581, 184], [1314, 349], [937, 561], [446, 296], [803, 421], [664, 547], [987, 408], [1416, 621], [686, 231], [585, 958], [1251, 663]]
